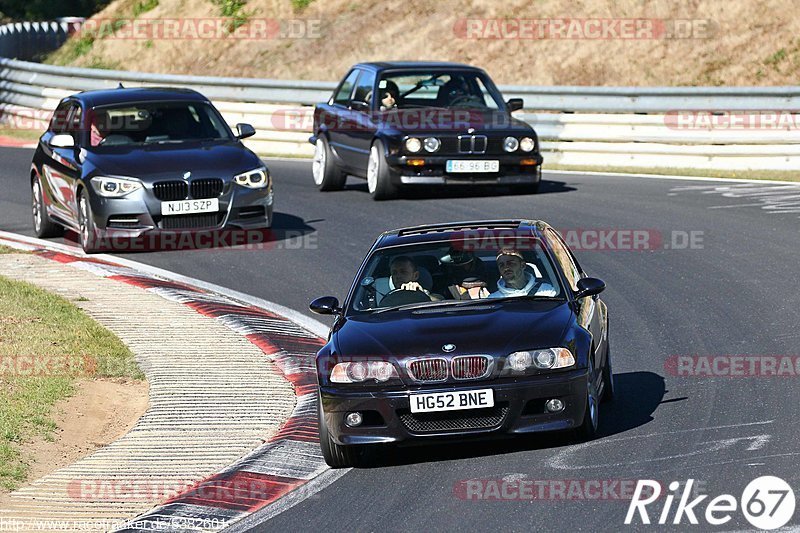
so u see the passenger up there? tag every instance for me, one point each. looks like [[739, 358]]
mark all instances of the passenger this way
[[389, 95], [515, 280], [467, 275]]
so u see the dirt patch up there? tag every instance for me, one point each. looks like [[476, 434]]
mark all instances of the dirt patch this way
[[100, 412], [704, 42]]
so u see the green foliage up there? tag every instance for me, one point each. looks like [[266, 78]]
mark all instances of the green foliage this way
[[776, 58], [51, 9], [300, 5], [233, 10], [143, 6]]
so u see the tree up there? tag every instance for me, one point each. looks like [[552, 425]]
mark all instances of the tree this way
[[36, 10]]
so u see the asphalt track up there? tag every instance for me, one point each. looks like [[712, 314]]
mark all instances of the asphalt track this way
[[730, 294]]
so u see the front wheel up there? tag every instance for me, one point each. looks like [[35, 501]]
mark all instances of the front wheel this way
[[88, 231], [336, 455], [379, 175], [591, 419], [327, 175], [42, 225]]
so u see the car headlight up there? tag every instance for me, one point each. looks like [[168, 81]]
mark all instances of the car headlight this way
[[114, 187], [432, 144], [254, 179], [360, 371], [413, 145], [510, 144], [547, 359], [526, 144]]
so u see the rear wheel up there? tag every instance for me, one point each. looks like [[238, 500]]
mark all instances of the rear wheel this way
[[327, 175], [379, 175], [336, 455], [42, 225]]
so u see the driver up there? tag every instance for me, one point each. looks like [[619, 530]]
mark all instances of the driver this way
[[404, 275], [515, 280]]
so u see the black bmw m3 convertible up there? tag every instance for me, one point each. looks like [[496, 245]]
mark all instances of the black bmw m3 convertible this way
[[463, 330], [405, 124]]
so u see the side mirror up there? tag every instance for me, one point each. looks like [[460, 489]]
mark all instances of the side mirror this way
[[326, 305], [245, 131], [358, 105], [589, 287], [515, 104], [62, 140]]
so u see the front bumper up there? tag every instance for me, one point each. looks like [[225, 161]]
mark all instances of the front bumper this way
[[140, 212], [519, 410], [512, 171]]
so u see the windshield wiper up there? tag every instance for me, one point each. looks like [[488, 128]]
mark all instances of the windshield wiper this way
[[540, 297], [419, 305]]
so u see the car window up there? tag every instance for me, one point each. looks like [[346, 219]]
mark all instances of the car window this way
[[58, 123], [156, 122], [342, 96], [441, 88], [74, 122], [464, 269], [363, 92], [564, 258]]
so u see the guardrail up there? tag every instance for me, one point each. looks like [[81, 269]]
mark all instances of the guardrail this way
[[721, 128]]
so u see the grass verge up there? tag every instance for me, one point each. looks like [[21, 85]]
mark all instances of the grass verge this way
[[21, 134], [50, 330]]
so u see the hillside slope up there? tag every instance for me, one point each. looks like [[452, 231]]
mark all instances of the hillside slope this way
[[744, 42]]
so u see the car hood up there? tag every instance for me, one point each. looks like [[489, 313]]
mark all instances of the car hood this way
[[171, 161], [509, 327], [452, 120]]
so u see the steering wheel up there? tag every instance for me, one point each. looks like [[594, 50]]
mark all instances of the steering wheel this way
[[403, 297], [466, 99]]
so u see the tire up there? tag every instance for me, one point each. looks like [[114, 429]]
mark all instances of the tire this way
[[588, 429], [336, 455], [43, 226], [609, 387], [379, 175], [327, 176], [88, 232]]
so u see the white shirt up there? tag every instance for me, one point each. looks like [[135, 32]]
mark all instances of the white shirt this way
[[544, 289]]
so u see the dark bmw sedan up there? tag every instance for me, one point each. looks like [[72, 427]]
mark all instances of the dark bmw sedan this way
[[463, 331], [405, 124], [132, 162]]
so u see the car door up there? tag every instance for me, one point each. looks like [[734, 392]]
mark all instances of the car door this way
[[358, 122], [589, 315], [337, 129], [61, 168]]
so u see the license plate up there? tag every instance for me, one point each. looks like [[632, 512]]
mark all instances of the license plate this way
[[183, 207], [452, 401], [469, 166]]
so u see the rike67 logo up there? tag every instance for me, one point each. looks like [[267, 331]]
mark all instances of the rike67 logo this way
[[767, 502]]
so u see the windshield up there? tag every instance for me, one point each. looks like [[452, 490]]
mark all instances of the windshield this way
[[451, 272], [436, 89], [156, 122]]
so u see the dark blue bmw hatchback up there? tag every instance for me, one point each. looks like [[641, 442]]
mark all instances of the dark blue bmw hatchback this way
[[461, 331], [131, 162]]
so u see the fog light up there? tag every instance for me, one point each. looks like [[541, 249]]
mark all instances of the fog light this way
[[354, 419], [553, 406], [416, 162], [528, 162]]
